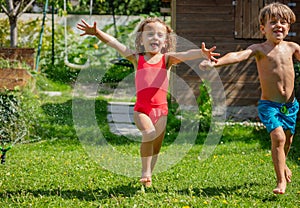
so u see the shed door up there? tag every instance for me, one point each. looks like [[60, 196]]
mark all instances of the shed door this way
[[246, 17]]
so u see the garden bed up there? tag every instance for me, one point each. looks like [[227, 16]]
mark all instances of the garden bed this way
[[19, 54], [10, 78]]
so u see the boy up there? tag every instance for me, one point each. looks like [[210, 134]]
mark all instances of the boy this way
[[277, 107]]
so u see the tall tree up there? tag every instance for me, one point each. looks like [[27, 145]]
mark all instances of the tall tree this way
[[14, 9]]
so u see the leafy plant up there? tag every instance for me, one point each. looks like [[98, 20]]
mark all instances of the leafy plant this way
[[297, 78], [19, 116], [5, 63], [205, 106], [116, 73], [9, 117]]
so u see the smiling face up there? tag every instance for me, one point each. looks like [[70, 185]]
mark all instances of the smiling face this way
[[154, 37], [275, 20], [275, 29]]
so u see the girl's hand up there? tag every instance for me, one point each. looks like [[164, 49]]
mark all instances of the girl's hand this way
[[209, 52], [87, 29]]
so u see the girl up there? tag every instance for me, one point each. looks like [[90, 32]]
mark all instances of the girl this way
[[152, 59]]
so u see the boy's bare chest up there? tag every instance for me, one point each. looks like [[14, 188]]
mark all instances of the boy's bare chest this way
[[276, 58]]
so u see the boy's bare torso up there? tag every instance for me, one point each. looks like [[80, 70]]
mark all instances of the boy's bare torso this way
[[276, 70]]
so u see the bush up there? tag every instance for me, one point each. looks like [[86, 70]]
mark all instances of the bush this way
[[9, 117], [297, 79], [19, 116], [118, 71]]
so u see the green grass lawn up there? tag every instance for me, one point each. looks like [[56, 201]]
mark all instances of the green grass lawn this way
[[58, 172]]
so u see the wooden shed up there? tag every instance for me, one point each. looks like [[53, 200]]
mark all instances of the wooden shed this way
[[231, 25]]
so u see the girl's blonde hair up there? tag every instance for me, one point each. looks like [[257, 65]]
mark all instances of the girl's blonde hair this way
[[278, 11], [170, 36]]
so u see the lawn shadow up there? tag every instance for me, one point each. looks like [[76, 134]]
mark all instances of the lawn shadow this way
[[227, 191], [128, 190]]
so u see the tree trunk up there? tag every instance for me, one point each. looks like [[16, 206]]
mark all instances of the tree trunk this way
[[13, 31], [14, 9]]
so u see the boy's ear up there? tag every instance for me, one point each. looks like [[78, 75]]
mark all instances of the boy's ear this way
[[262, 29]]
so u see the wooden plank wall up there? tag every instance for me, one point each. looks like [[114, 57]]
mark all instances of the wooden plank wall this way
[[213, 22]]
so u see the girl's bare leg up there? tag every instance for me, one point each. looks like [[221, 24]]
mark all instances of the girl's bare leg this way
[[160, 127], [144, 124], [278, 156], [151, 143]]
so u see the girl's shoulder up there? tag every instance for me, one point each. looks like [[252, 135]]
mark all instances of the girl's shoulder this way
[[133, 58]]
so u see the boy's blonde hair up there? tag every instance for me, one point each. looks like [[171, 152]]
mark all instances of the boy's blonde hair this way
[[278, 11], [170, 36]]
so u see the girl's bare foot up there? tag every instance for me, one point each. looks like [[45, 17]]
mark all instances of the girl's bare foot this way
[[280, 189], [146, 181], [288, 174]]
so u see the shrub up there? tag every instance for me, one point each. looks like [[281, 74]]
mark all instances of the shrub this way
[[19, 116], [118, 71]]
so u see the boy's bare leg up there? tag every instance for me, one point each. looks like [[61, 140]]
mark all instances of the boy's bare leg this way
[[278, 156], [288, 174], [287, 146]]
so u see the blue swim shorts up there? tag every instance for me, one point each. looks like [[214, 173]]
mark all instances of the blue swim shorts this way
[[273, 114]]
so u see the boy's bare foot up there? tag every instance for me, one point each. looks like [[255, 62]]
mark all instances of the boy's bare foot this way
[[280, 189], [288, 174], [146, 181]]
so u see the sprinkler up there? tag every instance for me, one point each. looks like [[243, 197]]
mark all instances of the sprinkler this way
[[3, 153]]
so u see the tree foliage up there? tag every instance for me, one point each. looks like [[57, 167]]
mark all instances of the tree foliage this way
[[15, 8], [118, 7]]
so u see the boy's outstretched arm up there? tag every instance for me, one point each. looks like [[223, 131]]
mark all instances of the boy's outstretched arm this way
[[234, 57], [105, 38], [227, 59], [297, 52]]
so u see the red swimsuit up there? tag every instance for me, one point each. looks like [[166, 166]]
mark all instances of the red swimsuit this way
[[151, 82]]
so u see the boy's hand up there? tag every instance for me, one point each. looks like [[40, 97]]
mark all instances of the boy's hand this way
[[209, 52], [87, 29], [206, 65]]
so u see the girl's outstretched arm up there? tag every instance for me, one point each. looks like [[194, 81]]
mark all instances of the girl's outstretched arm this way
[[178, 57], [106, 38]]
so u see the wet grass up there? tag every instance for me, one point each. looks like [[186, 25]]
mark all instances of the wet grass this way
[[60, 173]]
